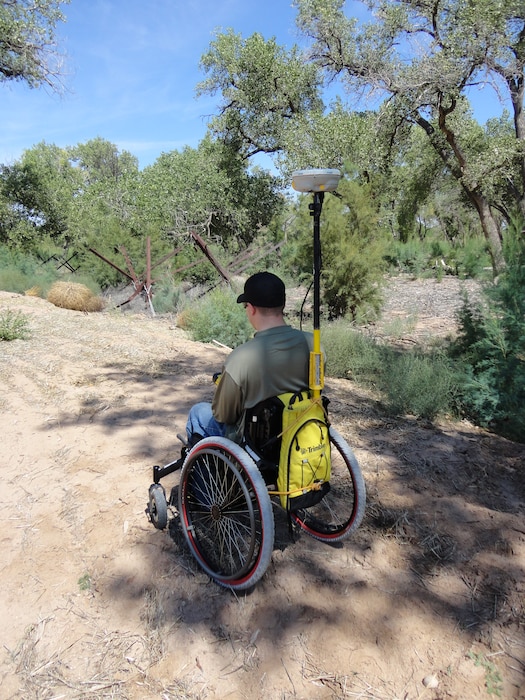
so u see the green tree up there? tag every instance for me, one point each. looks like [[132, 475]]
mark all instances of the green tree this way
[[109, 184], [28, 48], [416, 61], [38, 194], [421, 58], [100, 161], [208, 190], [353, 248], [264, 91]]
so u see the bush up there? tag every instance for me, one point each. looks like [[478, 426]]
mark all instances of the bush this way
[[13, 325], [20, 272], [411, 256], [218, 317], [167, 296], [436, 256], [423, 385], [353, 251], [472, 258], [491, 346], [350, 354]]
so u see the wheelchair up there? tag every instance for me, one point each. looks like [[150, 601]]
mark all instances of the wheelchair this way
[[226, 496]]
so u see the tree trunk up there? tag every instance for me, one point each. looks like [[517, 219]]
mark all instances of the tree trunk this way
[[459, 166], [490, 229]]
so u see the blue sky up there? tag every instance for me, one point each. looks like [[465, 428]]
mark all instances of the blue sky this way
[[130, 74], [131, 71]]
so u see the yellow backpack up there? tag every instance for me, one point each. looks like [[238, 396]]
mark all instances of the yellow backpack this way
[[304, 462]]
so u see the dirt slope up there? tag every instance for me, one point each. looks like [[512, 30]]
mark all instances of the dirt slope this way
[[426, 601]]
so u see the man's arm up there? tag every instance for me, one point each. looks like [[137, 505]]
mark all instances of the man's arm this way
[[228, 403]]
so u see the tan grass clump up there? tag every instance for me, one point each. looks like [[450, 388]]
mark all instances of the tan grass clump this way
[[74, 296], [183, 319], [33, 292]]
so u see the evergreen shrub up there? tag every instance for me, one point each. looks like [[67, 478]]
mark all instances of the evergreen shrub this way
[[350, 354], [167, 296], [491, 346], [422, 385]]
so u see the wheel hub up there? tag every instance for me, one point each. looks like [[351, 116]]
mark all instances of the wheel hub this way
[[215, 512]]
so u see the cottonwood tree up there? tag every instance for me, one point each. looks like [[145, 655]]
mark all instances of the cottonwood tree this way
[[209, 190], [38, 193], [28, 45], [264, 92], [414, 64], [419, 58]]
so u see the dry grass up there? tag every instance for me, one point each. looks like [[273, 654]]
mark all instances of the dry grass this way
[[74, 296]]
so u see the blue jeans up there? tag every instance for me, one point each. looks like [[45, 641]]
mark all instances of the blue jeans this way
[[202, 421]]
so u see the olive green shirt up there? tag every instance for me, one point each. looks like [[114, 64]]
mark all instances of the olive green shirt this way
[[273, 362]]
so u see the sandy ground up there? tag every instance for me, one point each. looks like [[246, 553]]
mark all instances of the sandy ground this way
[[427, 600]]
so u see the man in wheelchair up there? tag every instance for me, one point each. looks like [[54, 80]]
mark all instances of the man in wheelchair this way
[[273, 362]]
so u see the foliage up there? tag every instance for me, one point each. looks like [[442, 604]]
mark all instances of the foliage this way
[[14, 325], [491, 344], [92, 196], [218, 317], [493, 679], [412, 382], [207, 190], [423, 385], [20, 272], [167, 296], [250, 73], [105, 207], [416, 62], [27, 42], [423, 59], [353, 247], [437, 256], [351, 354], [41, 191]]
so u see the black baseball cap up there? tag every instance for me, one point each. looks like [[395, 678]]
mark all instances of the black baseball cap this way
[[263, 289]]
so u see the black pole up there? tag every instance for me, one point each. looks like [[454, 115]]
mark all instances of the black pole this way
[[316, 213], [316, 358]]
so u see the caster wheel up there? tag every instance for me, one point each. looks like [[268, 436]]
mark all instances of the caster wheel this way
[[158, 507]]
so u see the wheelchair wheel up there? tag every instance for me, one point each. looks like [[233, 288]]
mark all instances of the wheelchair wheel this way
[[226, 513], [340, 512], [157, 506]]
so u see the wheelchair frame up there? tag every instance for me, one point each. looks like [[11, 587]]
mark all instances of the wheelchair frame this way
[[226, 512]]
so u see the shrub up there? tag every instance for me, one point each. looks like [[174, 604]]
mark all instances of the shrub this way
[[408, 256], [350, 354], [472, 258], [167, 296], [353, 246], [424, 386], [217, 316], [20, 272], [13, 325], [491, 346]]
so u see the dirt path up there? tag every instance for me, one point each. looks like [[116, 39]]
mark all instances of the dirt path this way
[[426, 601]]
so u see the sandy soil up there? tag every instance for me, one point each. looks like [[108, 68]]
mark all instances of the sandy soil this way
[[427, 600]]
